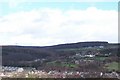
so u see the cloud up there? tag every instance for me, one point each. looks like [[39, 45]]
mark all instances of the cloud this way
[[48, 26]]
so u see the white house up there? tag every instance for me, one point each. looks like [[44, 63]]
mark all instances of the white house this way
[[20, 70]]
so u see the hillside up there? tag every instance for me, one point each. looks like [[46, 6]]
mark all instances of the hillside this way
[[78, 45], [36, 56]]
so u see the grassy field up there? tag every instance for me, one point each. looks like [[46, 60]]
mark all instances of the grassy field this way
[[113, 66], [63, 64], [101, 58]]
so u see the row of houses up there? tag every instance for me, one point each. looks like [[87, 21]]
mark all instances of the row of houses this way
[[11, 69], [22, 73]]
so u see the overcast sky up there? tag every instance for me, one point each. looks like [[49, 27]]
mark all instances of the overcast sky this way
[[50, 23]]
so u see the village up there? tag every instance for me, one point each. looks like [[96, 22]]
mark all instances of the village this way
[[86, 62], [17, 72]]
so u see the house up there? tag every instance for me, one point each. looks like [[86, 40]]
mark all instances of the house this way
[[20, 70], [90, 55]]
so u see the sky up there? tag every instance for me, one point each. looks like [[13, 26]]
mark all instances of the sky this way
[[43, 23]]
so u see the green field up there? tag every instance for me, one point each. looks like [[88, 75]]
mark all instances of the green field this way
[[113, 66], [101, 58], [63, 64]]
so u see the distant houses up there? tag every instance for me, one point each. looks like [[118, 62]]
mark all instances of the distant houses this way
[[11, 69]]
